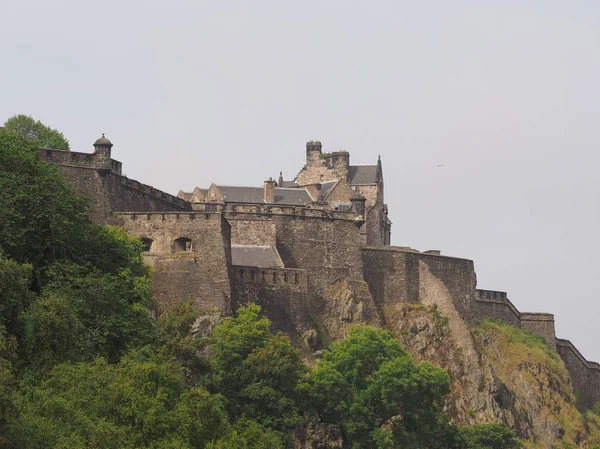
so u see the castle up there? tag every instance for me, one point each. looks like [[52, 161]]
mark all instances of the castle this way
[[286, 244]]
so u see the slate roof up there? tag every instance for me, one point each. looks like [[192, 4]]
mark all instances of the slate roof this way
[[255, 256], [287, 196], [362, 175], [326, 187], [290, 184]]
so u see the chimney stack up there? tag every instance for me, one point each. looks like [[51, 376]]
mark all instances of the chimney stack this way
[[358, 202], [269, 196], [313, 151]]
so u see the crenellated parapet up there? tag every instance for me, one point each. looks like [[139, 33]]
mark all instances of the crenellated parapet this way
[[271, 277], [94, 161], [239, 210]]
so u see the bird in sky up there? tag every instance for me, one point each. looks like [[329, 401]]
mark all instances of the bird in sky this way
[[441, 165]]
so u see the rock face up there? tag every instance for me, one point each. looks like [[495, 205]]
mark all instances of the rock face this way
[[499, 373]]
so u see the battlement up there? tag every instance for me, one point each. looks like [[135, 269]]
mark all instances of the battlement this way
[[172, 217], [95, 161], [271, 276], [491, 295], [265, 210]]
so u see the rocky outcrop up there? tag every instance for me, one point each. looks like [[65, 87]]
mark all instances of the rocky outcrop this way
[[499, 374]]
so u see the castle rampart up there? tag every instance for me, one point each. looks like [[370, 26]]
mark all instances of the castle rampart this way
[[98, 177], [281, 293], [190, 253], [312, 246], [585, 375], [393, 275]]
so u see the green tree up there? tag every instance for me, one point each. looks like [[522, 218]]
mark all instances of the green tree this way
[[257, 371], [248, 434], [36, 133], [83, 313], [175, 325], [487, 436], [369, 386], [141, 402]]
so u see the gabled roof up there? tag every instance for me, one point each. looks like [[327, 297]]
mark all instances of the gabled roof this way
[[326, 188], [292, 196], [287, 196], [255, 256], [362, 175], [188, 196]]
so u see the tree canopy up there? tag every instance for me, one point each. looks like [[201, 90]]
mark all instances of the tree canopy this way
[[36, 133]]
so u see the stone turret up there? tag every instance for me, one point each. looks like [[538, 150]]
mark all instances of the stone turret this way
[[102, 153]]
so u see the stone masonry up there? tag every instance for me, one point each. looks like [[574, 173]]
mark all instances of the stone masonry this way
[[287, 245]]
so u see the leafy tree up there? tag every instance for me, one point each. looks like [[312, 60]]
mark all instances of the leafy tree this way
[[369, 386], [14, 292], [36, 133], [488, 436], [175, 325], [142, 402], [248, 435], [83, 313], [257, 371]]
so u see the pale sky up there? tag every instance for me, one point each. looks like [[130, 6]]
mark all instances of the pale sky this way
[[505, 94]]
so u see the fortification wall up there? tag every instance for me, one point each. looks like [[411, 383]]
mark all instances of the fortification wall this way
[[393, 276], [99, 178], [191, 256], [541, 324], [281, 293], [496, 305], [585, 375]]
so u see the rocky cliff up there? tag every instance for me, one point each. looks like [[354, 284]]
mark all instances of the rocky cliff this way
[[499, 373]]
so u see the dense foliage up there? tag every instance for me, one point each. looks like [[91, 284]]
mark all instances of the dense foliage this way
[[36, 132], [84, 365]]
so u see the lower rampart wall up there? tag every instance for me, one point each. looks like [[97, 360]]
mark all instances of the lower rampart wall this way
[[584, 375], [281, 293]]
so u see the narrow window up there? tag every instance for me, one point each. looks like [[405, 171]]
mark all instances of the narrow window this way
[[182, 244], [147, 243]]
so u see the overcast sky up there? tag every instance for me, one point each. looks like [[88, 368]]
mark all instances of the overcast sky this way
[[505, 94]]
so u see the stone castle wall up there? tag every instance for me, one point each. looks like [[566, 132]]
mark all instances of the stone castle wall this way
[[98, 177], [393, 275], [201, 272], [281, 293], [585, 375]]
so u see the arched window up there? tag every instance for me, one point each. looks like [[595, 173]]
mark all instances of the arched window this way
[[147, 243], [182, 244]]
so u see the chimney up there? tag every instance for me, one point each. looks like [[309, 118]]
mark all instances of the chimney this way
[[280, 183], [358, 202], [269, 196]]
